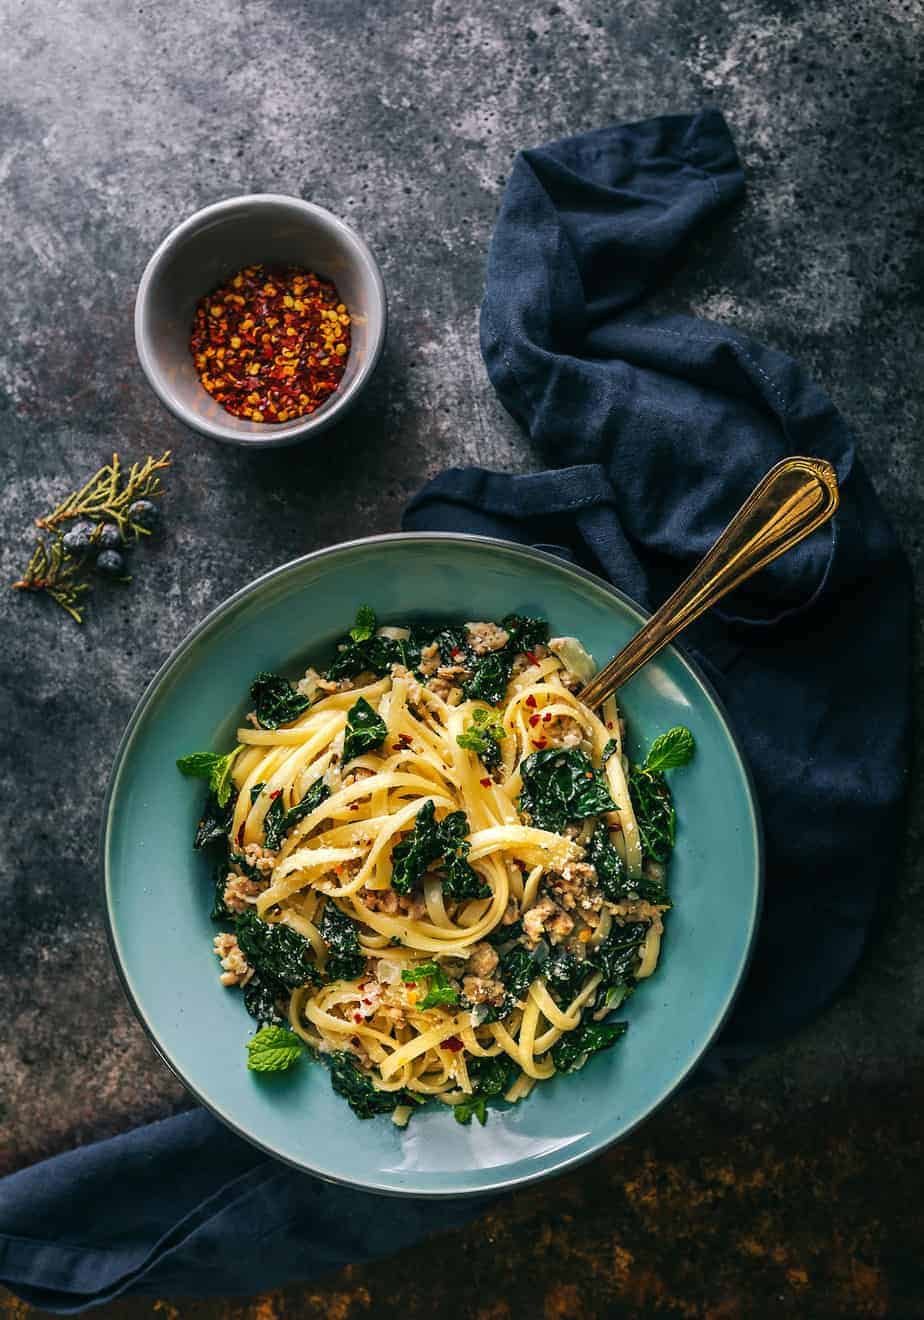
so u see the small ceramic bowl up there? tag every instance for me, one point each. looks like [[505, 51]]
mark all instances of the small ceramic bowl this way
[[212, 245]]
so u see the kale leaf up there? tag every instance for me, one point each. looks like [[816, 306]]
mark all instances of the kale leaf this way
[[517, 969], [429, 841], [276, 701], [279, 954], [492, 671], [618, 956], [260, 1001], [504, 934], [220, 910], [590, 1037], [411, 857], [215, 823], [459, 879], [489, 681], [211, 766], [561, 785], [525, 633], [564, 974], [484, 736], [277, 822], [490, 1076], [654, 812], [356, 1087], [651, 797], [362, 650], [611, 869], [609, 747], [364, 730], [345, 959]]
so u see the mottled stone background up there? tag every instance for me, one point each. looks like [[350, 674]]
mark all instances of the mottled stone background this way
[[781, 1192]]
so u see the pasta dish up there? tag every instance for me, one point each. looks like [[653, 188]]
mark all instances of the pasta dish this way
[[439, 873]]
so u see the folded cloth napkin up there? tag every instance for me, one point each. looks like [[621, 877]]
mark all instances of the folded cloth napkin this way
[[657, 428]]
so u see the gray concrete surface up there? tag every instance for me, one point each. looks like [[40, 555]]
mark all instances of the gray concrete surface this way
[[116, 121]]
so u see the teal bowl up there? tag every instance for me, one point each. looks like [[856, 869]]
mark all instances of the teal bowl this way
[[157, 890]]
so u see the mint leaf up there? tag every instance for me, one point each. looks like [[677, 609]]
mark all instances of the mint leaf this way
[[273, 1049], [211, 766], [671, 749], [364, 627], [484, 736]]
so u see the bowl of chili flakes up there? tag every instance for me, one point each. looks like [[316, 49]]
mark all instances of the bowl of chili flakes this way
[[260, 320]]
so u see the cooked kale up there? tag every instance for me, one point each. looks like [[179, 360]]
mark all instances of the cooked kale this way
[[561, 785], [348, 1080], [345, 960], [255, 791], [608, 749], [364, 730], [564, 974], [277, 953], [429, 841], [411, 857], [651, 797], [260, 1001], [590, 1037], [220, 910], [611, 869], [276, 701], [277, 822], [489, 681], [483, 737], [618, 956], [362, 650], [215, 823], [459, 880], [525, 633], [517, 969], [505, 934], [453, 646], [491, 1076], [246, 868], [654, 812], [491, 672]]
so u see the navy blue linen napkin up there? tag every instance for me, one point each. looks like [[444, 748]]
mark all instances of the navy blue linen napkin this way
[[657, 428]]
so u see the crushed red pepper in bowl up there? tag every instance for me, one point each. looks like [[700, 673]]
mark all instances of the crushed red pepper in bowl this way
[[272, 343]]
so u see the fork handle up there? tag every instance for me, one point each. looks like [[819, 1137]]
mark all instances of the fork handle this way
[[796, 497]]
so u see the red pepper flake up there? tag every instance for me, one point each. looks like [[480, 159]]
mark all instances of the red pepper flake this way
[[609, 724], [367, 1001], [533, 659], [277, 793], [530, 700], [455, 652], [451, 1043], [542, 742], [411, 985], [534, 720], [485, 783], [272, 343], [357, 1017], [546, 718]]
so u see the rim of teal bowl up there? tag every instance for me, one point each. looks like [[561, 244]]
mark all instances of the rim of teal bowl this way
[[511, 548]]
